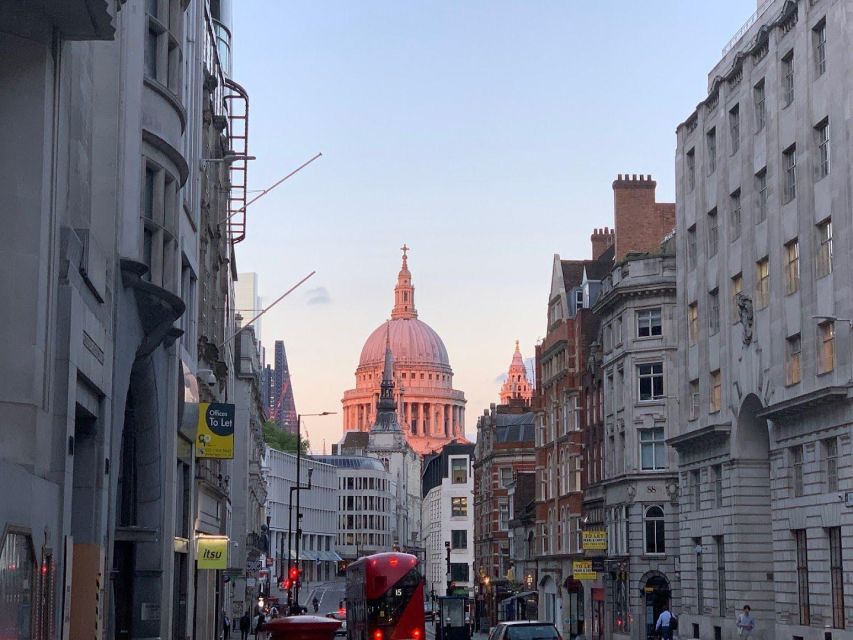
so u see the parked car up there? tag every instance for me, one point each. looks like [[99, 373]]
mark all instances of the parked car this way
[[342, 616], [525, 630]]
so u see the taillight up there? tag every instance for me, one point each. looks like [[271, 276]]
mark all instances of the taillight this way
[[377, 635], [416, 634]]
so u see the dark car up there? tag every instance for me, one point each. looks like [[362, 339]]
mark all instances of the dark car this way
[[525, 630]]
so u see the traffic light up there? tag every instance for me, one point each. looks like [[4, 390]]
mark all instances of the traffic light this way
[[285, 585], [293, 574]]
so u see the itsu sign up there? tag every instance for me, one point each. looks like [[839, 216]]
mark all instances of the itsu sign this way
[[212, 552]]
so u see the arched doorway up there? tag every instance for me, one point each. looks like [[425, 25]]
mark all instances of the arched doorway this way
[[656, 597], [549, 599]]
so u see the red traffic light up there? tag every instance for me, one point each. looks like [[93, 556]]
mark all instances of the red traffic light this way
[[294, 573]]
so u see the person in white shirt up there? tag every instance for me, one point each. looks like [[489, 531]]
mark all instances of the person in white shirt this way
[[745, 623], [665, 623]]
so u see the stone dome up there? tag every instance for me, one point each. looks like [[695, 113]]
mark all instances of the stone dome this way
[[413, 342]]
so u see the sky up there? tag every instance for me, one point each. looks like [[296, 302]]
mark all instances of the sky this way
[[485, 134]]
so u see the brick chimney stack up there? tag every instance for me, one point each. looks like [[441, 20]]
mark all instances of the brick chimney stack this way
[[602, 239], [641, 223]]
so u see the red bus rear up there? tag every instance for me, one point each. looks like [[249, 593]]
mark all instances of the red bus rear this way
[[385, 598]]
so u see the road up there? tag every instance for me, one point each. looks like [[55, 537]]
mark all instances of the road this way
[[330, 595]]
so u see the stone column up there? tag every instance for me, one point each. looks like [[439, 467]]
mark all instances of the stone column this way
[[426, 420]]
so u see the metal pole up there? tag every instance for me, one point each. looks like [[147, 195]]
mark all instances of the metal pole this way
[[449, 581], [289, 546], [298, 493]]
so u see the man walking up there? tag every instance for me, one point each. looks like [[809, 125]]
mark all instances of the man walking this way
[[245, 626], [745, 622], [665, 624]]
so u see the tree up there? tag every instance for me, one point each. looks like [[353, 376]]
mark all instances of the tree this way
[[277, 438]]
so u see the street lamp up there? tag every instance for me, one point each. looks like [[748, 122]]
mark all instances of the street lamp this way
[[291, 605], [849, 321]]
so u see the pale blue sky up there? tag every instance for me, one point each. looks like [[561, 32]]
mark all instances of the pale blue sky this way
[[485, 134]]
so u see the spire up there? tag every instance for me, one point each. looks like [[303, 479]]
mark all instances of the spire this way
[[516, 386], [386, 407], [404, 292]]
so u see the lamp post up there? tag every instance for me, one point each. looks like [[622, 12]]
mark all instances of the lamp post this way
[[293, 604]]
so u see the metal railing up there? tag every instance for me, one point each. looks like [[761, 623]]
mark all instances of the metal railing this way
[[762, 8]]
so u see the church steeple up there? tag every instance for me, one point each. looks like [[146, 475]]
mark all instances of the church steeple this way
[[404, 292], [386, 407], [517, 386]]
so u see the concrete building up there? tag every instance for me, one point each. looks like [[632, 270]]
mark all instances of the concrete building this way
[[120, 189], [250, 540], [366, 505], [522, 542], [319, 506], [631, 494], [505, 441], [448, 482], [763, 168], [558, 400], [430, 411]]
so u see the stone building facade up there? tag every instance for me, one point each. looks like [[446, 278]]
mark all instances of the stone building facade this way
[[631, 495], [763, 167], [107, 168]]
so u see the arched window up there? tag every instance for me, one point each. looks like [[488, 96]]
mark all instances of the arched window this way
[[655, 530]]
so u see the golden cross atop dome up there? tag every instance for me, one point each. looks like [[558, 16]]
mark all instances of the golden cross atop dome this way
[[405, 250]]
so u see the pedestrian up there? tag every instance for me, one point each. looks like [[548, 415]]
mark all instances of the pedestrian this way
[[666, 624], [745, 622], [226, 626], [316, 604], [259, 625], [245, 626]]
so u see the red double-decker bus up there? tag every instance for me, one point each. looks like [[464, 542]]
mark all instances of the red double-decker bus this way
[[385, 598]]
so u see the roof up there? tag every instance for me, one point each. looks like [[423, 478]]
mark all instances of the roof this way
[[572, 272], [600, 268], [352, 462], [355, 440], [514, 427]]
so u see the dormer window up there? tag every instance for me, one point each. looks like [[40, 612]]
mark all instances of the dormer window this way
[[579, 299]]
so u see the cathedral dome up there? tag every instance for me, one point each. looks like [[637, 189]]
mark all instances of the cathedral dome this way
[[412, 342]]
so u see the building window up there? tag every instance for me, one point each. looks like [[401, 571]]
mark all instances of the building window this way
[[761, 191], [788, 79], [459, 470], [652, 449], [655, 537], [825, 343], [830, 461], [691, 247], [737, 287], [819, 40], [716, 392], [696, 488], [691, 169], [762, 283], [713, 232], [734, 128], [694, 399], [721, 574], [711, 147], [714, 312], [836, 576], [822, 142], [792, 360], [650, 377], [718, 485], [700, 578], [758, 101], [824, 248], [734, 214], [649, 323], [789, 161], [505, 477], [503, 514], [459, 506], [796, 457], [792, 267], [803, 576], [17, 563], [693, 322], [459, 571], [162, 54]]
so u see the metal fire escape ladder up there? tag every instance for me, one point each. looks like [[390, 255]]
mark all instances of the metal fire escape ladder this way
[[237, 100]]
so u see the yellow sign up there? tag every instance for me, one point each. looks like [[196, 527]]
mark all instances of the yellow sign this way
[[595, 540], [215, 433], [212, 552], [582, 570]]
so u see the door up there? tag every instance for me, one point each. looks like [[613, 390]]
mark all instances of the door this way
[[657, 595]]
